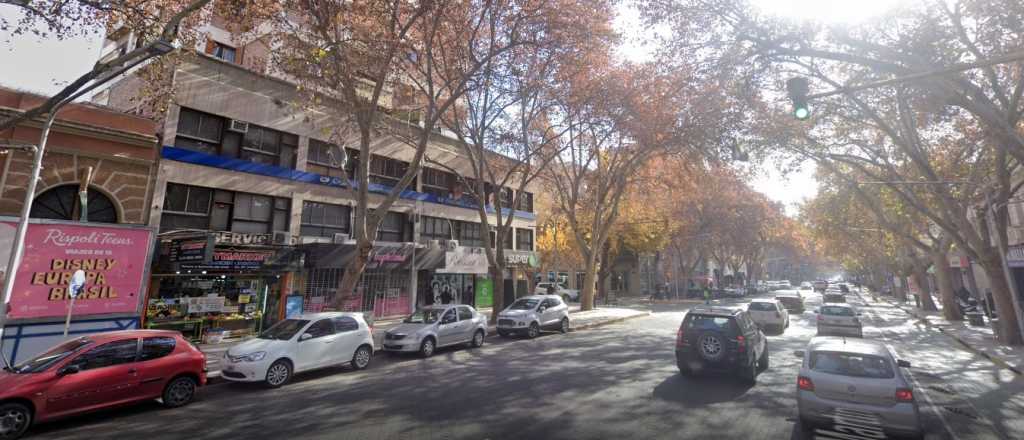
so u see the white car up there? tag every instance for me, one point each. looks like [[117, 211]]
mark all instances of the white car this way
[[560, 290], [304, 343], [769, 313], [530, 314]]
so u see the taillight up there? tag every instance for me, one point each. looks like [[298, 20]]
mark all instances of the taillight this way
[[741, 342], [821, 318], [680, 339], [804, 383], [904, 395]]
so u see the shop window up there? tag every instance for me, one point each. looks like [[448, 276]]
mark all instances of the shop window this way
[[325, 154], [393, 228], [470, 234], [435, 228], [524, 239], [156, 348], [108, 355], [324, 219]]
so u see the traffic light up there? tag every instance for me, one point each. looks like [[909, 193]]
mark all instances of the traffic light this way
[[798, 89]]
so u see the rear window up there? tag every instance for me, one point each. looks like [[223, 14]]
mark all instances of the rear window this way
[[761, 307], [851, 364], [837, 311], [788, 299], [706, 322]]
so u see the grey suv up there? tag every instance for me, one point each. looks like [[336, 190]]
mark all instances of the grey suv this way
[[437, 326], [721, 339], [529, 314]]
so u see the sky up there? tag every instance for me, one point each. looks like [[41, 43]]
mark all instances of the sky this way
[[45, 65]]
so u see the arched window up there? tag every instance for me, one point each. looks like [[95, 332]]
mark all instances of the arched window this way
[[62, 203]]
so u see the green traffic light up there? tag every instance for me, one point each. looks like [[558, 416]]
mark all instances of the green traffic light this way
[[802, 113]]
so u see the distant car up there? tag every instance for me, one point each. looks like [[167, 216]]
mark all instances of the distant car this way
[[839, 320], [529, 315], [769, 314], [820, 286], [806, 286], [437, 326], [303, 343], [560, 290], [835, 297], [733, 293], [859, 379], [792, 303], [845, 288], [99, 371], [721, 339]]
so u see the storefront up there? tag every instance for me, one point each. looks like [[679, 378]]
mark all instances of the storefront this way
[[383, 290], [219, 285]]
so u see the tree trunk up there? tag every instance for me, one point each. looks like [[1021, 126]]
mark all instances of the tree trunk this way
[[353, 272], [498, 279], [944, 280], [604, 269], [587, 296], [1009, 332], [924, 291]]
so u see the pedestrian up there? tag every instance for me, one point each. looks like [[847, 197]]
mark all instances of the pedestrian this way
[[551, 289], [707, 295]]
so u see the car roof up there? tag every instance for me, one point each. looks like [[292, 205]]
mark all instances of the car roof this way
[[844, 305], [764, 300], [121, 334], [442, 306], [322, 315], [714, 310], [848, 345], [537, 297]]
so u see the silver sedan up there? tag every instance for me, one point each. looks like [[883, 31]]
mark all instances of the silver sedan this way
[[437, 326], [855, 382]]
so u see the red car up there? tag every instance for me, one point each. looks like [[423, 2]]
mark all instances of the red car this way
[[99, 371]]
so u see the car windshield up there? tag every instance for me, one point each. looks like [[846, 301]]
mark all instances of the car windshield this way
[[524, 304], [51, 356], [851, 364], [837, 311], [761, 307], [284, 330], [424, 316]]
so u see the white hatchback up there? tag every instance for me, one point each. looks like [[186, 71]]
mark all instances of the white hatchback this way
[[769, 313], [303, 343]]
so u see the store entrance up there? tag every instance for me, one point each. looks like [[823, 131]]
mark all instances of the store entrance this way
[[210, 308]]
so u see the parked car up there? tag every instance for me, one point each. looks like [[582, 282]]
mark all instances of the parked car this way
[[861, 379], [839, 320], [768, 314], [560, 290], [721, 339], [733, 293], [806, 286], [820, 286], [99, 371], [303, 343], [432, 327], [833, 297], [530, 314], [792, 303]]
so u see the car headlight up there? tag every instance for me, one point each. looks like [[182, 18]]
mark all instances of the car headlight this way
[[253, 357]]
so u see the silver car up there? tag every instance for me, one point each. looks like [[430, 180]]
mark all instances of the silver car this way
[[529, 314], [855, 382], [837, 319], [437, 326]]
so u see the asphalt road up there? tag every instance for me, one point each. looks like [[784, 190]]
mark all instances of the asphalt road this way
[[618, 381]]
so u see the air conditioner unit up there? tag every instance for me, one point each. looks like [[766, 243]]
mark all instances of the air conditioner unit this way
[[282, 237], [238, 126], [340, 237]]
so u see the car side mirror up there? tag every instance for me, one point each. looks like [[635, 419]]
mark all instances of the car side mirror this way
[[69, 369], [798, 353], [305, 336], [903, 364]]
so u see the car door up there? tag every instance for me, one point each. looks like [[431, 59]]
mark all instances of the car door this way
[[315, 352], [448, 328], [466, 325], [107, 375], [155, 368], [550, 315], [783, 313], [349, 336]]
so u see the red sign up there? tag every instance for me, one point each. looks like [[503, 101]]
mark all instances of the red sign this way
[[114, 261]]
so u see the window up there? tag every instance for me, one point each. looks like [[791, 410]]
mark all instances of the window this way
[[525, 201], [324, 219], [345, 324], [224, 52], [155, 348], [470, 234], [387, 171], [524, 241], [392, 228], [438, 182], [321, 328], [258, 214], [449, 317], [63, 203], [208, 133], [325, 154], [851, 364], [507, 242], [186, 207], [435, 228], [270, 147], [761, 307], [109, 354], [465, 314], [706, 322], [199, 131], [837, 311], [189, 207]]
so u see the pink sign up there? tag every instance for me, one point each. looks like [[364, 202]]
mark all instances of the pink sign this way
[[114, 261]]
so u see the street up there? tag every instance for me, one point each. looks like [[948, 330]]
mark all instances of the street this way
[[617, 381]]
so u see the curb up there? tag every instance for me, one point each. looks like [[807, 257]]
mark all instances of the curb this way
[[998, 361], [610, 321]]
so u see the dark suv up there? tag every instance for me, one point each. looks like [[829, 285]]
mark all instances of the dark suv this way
[[721, 339]]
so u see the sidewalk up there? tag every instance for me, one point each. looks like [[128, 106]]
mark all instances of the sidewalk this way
[[980, 340], [579, 321]]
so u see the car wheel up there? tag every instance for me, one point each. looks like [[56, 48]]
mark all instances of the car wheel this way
[[503, 333], [427, 347], [564, 327], [279, 373], [362, 356], [15, 419], [179, 392], [711, 347], [763, 362], [749, 373], [478, 339], [534, 330], [806, 429]]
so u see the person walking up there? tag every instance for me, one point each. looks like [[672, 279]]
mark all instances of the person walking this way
[[707, 295]]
